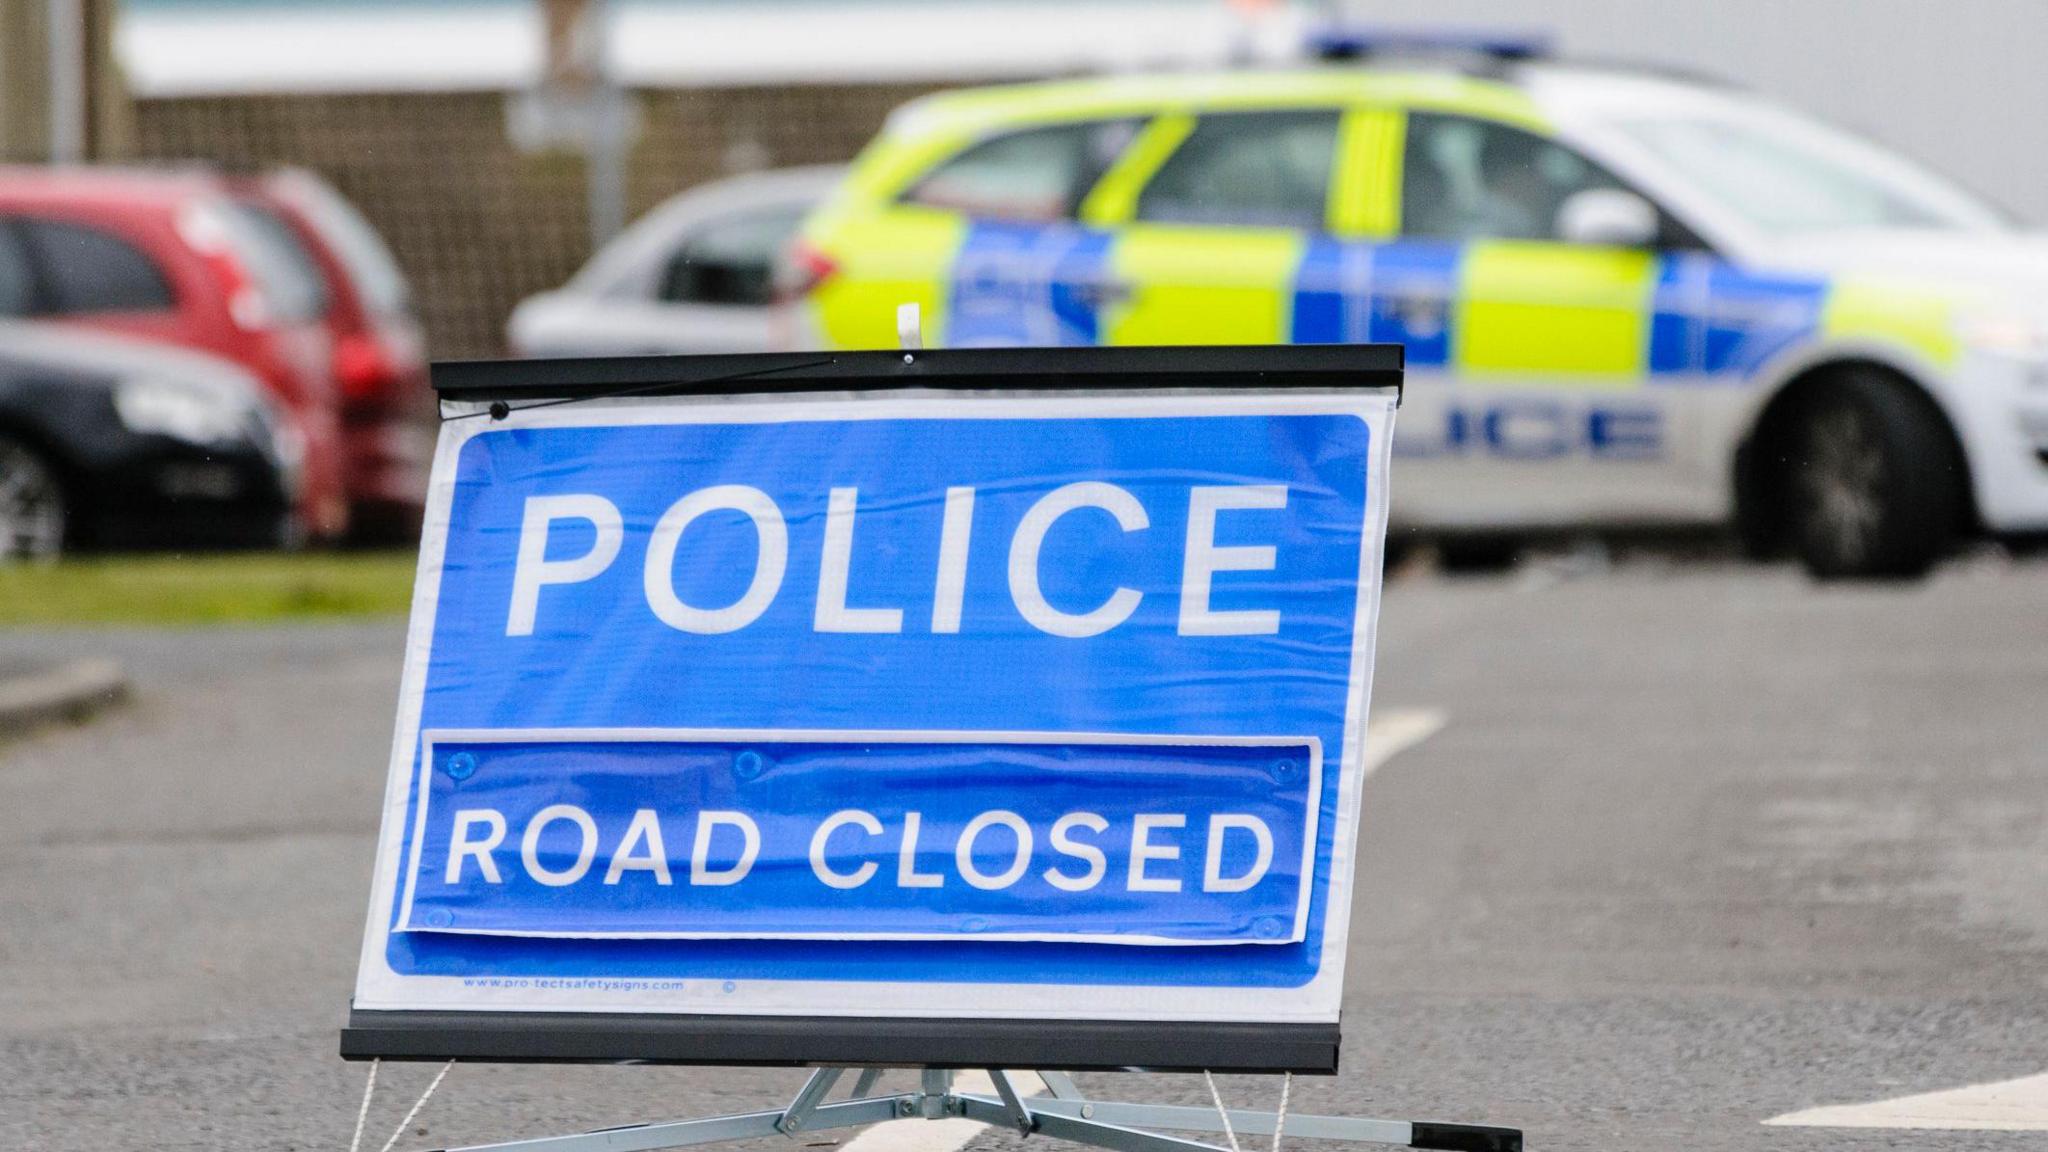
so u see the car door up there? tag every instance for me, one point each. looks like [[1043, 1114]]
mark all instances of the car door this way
[[1532, 399], [1216, 210]]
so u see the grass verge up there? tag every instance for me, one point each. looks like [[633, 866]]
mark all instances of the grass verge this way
[[194, 590]]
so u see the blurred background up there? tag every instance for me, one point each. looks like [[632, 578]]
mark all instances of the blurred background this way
[[388, 181], [410, 109], [1712, 652]]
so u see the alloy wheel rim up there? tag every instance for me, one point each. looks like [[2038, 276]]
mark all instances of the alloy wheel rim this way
[[31, 506], [1843, 481]]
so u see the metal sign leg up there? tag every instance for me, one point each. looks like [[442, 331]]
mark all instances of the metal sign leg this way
[[1020, 1116], [866, 1083], [1066, 1114], [800, 1109], [1060, 1085]]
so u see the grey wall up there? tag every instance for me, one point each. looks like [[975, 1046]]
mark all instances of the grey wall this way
[[1961, 85]]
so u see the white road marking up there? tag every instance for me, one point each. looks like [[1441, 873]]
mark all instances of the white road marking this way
[[2006, 1106], [1396, 730], [940, 1135], [1389, 733]]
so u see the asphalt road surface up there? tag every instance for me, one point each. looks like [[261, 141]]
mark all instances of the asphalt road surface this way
[[1694, 848]]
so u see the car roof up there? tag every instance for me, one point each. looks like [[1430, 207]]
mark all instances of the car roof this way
[[1566, 87], [154, 187], [772, 183], [1526, 92], [968, 109]]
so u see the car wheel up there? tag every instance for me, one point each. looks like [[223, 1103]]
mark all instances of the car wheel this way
[[33, 510], [1876, 485]]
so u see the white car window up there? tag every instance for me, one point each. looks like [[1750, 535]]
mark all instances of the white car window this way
[[729, 260]]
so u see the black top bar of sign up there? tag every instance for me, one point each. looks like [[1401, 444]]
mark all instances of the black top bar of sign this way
[[895, 1042], [1036, 369]]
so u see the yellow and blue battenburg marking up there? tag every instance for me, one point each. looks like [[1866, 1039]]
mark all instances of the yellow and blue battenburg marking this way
[[1027, 284], [1715, 320], [1400, 293], [1706, 320], [1613, 318]]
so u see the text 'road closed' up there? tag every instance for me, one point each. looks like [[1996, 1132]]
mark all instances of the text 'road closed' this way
[[887, 838]]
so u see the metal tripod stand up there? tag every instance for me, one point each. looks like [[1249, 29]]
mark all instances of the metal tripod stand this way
[[1066, 1114]]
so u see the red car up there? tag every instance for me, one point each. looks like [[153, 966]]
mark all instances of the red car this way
[[186, 258], [380, 363]]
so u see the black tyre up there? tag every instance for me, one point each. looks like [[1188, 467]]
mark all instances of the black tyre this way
[[33, 510], [1875, 486], [1401, 546], [1478, 555]]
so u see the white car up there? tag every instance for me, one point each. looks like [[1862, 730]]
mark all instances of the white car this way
[[694, 275]]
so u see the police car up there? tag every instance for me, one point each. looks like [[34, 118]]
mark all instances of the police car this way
[[1628, 299]]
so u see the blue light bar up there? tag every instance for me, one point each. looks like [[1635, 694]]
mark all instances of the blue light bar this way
[[1354, 42]]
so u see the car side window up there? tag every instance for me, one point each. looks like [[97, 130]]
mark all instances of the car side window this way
[[1269, 169], [730, 260], [1464, 179], [17, 275], [87, 269], [1039, 174]]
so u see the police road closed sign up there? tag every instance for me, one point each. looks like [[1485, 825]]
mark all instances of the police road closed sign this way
[[887, 704]]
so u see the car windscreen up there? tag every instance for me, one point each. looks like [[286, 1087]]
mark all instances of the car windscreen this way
[[1786, 175]]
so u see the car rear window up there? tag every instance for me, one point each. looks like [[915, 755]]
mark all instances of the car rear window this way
[[277, 260], [87, 269]]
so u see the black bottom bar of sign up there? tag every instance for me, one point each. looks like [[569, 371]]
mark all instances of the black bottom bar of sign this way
[[1465, 1137], [1071, 1045]]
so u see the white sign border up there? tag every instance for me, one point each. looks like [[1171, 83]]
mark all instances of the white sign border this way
[[1318, 1000]]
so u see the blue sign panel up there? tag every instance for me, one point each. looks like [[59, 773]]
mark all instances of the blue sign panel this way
[[1045, 706]]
